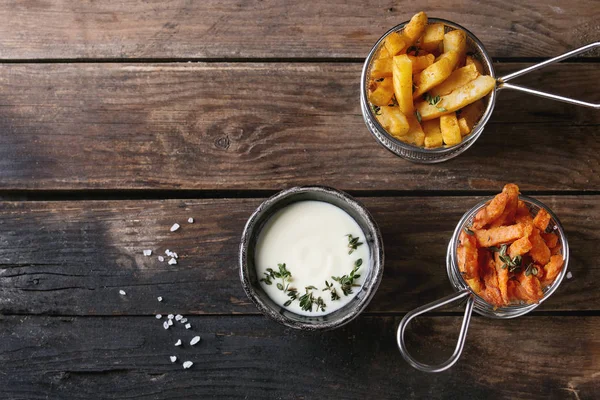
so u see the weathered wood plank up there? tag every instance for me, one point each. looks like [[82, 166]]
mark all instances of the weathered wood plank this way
[[266, 126], [276, 28], [251, 357], [71, 258]]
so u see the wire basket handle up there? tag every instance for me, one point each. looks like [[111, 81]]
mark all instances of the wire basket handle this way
[[461, 337], [502, 81]]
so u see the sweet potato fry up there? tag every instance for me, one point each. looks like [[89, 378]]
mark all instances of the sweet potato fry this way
[[508, 215], [458, 78], [489, 275], [459, 98], [552, 269], [502, 275], [556, 250], [499, 235], [541, 220], [539, 251], [490, 212], [520, 246], [468, 261], [551, 239], [531, 288]]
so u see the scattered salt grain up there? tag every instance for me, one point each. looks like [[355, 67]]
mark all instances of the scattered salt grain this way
[[172, 261], [188, 326], [195, 340], [178, 343], [173, 358], [187, 364], [183, 320], [170, 322], [190, 220], [178, 317], [159, 298], [158, 316], [161, 258], [174, 227], [170, 316], [569, 275], [166, 325], [147, 253], [122, 292]]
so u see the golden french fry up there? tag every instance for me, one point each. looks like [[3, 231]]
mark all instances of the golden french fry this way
[[381, 68], [382, 95], [383, 52], [469, 116], [478, 65], [402, 78], [432, 37], [450, 130], [419, 63], [435, 74], [415, 133], [433, 134], [415, 27], [459, 98], [392, 119], [394, 43], [458, 78], [456, 40]]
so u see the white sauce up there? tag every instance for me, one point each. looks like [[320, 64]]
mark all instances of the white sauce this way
[[310, 237]]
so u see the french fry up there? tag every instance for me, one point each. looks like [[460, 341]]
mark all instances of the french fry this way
[[394, 43], [433, 134], [415, 28], [457, 78], [456, 41], [432, 37], [490, 212], [382, 95], [450, 130], [419, 63], [402, 78], [478, 65], [381, 68], [459, 98], [435, 74], [415, 133], [383, 52], [393, 120], [469, 116]]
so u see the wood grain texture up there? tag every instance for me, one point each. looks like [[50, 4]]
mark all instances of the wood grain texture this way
[[276, 28], [251, 357], [72, 258], [268, 126]]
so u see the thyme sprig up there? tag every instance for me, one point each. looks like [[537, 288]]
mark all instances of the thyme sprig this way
[[531, 270], [434, 101], [347, 281], [308, 299], [330, 287], [353, 243]]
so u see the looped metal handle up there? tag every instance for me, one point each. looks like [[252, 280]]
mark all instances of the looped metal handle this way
[[461, 337], [502, 81]]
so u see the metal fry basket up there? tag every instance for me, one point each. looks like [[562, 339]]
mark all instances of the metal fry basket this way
[[422, 155], [473, 301]]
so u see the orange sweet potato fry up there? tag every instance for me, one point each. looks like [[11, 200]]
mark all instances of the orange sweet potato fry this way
[[531, 288], [508, 215], [556, 250], [492, 293], [502, 274], [552, 269], [539, 250], [499, 235], [541, 220], [468, 263], [523, 215], [490, 212], [551, 240]]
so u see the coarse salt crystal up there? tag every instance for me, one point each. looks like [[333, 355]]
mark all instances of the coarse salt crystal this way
[[190, 220], [183, 320], [167, 251], [172, 261], [161, 258], [195, 340], [178, 343], [174, 227], [166, 325], [170, 322], [174, 255], [122, 292], [188, 326], [158, 316], [173, 358], [147, 253], [170, 316], [569, 275], [178, 317], [187, 364], [159, 298]]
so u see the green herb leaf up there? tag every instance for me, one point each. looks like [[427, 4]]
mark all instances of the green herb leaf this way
[[469, 232], [442, 109], [280, 286], [287, 303], [353, 243], [418, 115]]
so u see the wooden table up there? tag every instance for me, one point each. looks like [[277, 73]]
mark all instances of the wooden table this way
[[120, 118]]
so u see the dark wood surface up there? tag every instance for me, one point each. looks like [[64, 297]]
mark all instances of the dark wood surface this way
[[108, 135]]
